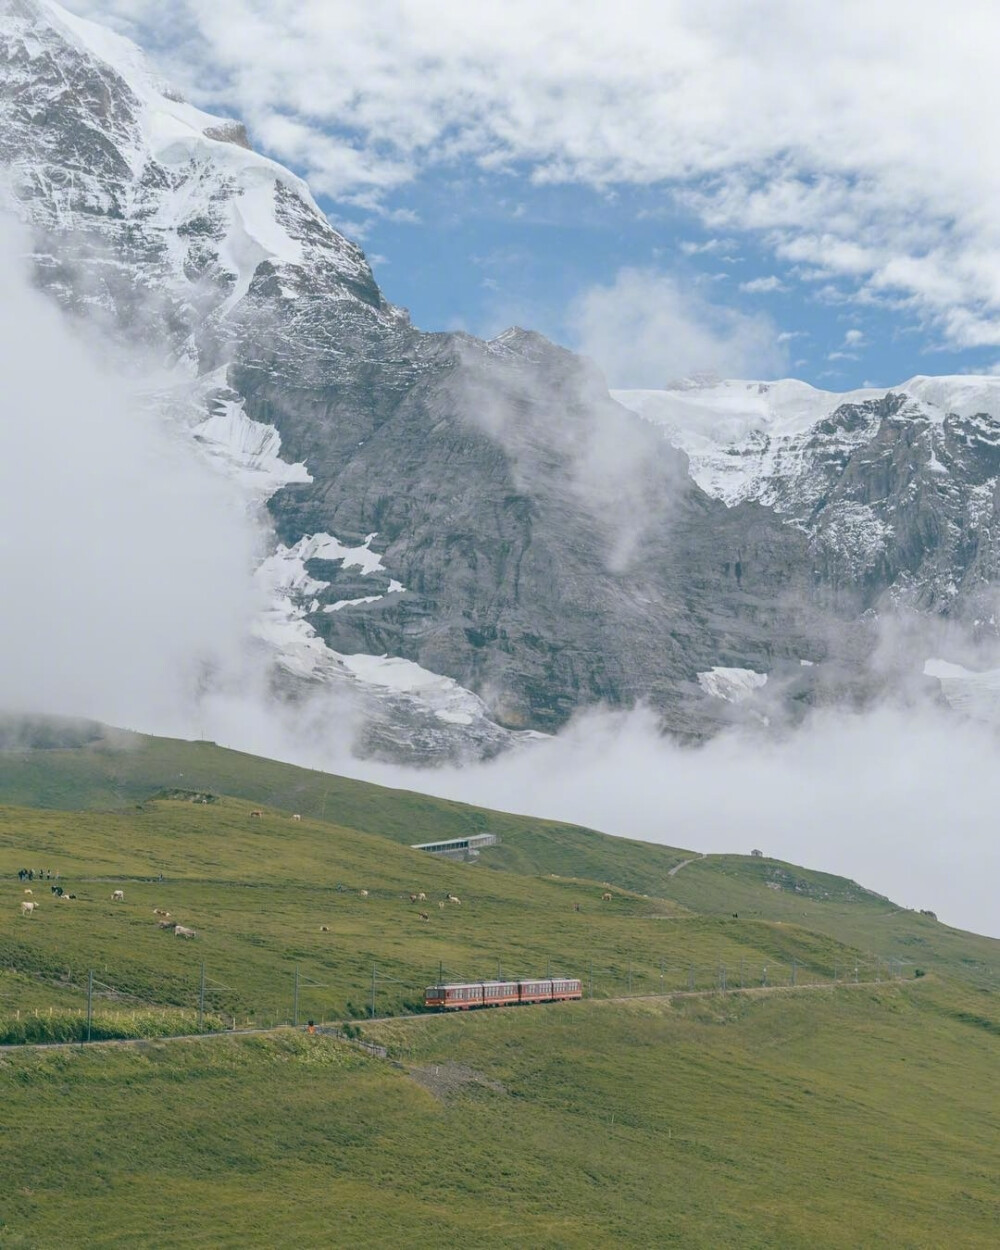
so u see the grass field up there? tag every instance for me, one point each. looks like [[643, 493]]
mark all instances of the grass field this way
[[829, 1114], [842, 1118]]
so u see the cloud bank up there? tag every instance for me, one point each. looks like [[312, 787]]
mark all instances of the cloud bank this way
[[853, 140], [899, 801], [125, 561]]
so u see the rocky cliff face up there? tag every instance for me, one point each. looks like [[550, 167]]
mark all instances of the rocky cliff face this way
[[472, 538]]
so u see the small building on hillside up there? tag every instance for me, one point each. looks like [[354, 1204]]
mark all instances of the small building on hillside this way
[[459, 848]]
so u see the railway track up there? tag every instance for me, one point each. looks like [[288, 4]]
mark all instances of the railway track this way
[[329, 1027]]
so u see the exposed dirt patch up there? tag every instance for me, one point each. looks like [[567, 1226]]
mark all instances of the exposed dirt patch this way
[[445, 1080]]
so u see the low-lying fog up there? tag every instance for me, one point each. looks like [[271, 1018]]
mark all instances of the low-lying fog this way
[[118, 606]]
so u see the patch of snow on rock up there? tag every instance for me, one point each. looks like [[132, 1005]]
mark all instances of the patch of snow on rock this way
[[731, 684]]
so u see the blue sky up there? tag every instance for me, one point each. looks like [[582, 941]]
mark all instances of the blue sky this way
[[755, 187], [487, 251]]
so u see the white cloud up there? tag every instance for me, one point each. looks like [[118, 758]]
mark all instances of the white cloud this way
[[763, 286], [894, 800], [125, 561], [646, 330], [855, 138]]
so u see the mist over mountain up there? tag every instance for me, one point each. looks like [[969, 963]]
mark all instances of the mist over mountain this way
[[468, 542]]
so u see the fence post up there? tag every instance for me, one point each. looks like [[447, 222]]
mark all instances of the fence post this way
[[201, 1000], [295, 1000]]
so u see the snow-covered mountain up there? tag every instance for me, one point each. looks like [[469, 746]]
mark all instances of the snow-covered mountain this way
[[473, 538], [896, 488]]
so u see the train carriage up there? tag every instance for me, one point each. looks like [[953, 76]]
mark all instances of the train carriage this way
[[464, 995]]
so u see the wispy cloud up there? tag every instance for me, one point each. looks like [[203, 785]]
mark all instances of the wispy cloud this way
[[646, 329], [763, 286]]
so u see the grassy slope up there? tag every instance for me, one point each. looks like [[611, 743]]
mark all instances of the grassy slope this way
[[837, 1117], [104, 778], [840, 1118], [259, 892]]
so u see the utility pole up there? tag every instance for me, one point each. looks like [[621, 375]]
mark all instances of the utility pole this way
[[201, 999], [373, 990], [90, 1000], [295, 1000]]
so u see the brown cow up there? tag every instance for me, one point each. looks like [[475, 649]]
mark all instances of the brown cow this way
[[423, 915], [606, 896], [256, 815]]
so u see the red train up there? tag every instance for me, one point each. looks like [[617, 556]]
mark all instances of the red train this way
[[462, 996]]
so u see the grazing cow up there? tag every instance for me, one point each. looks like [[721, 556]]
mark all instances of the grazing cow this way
[[421, 897], [63, 898], [28, 908], [158, 911], [453, 899], [180, 931], [606, 896], [166, 924], [324, 928], [118, 896], [256, 815], [441, 904], [71, 896], [413, 898], [424, 916], [56, 890], [29, 891], [363, 893], [576, 906], [296, 816]]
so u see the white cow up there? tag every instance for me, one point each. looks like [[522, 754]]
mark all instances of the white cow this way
[[363, 893], [118, 896], [28, 908], [29, 891], [296, 816], [180, 931], [453, 899]]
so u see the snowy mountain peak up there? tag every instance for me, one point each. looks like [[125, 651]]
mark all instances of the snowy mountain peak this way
[[121, 151]]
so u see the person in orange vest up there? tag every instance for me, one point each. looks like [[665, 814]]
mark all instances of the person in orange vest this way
[[310, 1027]]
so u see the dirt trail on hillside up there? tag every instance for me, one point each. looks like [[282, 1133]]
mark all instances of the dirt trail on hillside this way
[[684, 863]]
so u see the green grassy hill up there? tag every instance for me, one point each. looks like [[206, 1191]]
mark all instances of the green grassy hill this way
[[114, 771], [828, 1113]]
